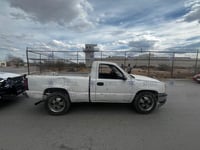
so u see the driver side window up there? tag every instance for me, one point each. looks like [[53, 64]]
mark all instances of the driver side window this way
[[109, 72]]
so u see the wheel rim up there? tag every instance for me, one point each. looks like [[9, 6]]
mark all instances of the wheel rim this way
[[146, 103], [56, 104]]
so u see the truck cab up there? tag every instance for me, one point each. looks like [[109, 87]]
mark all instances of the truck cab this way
[[110, 83]]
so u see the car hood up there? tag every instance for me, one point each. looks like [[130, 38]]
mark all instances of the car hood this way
[[144, 78], [5, 75], [197, 75]]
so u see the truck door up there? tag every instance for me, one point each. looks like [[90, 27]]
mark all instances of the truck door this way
[[111, 85]]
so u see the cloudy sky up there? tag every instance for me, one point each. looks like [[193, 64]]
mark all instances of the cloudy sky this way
[[112, 24]]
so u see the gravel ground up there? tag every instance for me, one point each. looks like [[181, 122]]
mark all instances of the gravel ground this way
[[175, 126]]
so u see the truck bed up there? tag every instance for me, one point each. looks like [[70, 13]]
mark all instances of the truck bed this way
[[77, 86]]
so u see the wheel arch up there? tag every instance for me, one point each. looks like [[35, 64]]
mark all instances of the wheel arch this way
[[54, 90], [152, 91]]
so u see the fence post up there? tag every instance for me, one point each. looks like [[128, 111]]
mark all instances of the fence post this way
[[77, 61], [196, 62], [27, 60], [149, 61], [40, 64], [101, 55], [125, 60], [52, 55], [172, 69]]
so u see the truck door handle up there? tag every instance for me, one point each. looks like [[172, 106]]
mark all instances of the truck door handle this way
[[100, 83]]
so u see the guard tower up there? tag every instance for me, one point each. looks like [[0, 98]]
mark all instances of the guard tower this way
[[89, 53]]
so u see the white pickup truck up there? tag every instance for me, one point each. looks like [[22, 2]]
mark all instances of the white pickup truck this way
[[107, 83]]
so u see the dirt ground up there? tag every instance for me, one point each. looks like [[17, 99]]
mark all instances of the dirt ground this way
[[177, 73]]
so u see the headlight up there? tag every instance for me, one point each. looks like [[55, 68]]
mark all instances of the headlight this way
[[2, 83], [165, 87], [8, 83]]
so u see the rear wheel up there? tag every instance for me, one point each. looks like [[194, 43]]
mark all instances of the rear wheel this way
[[57, 103], [145, 102]]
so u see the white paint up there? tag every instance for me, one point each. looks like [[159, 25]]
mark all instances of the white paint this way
[[144, 78]]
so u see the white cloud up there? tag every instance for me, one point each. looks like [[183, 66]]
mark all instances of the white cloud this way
[[175, 34], [142, 44], [61, 12], [18, 16], [121, 25], [122, 42], [14, 49], [9, 48], [80, 25], [194, 13], [57, 43]]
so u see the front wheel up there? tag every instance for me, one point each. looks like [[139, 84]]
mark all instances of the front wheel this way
[[57, 103], [145, 102]]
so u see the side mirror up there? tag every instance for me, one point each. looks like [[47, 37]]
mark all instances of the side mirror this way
[[124, 78]]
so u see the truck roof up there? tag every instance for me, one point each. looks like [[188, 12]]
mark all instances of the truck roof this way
[[104, 62]]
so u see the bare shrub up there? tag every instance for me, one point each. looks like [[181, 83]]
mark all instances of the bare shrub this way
[[163, 67]]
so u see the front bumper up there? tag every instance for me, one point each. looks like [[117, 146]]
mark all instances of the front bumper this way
[[197, 79], [162, 98]]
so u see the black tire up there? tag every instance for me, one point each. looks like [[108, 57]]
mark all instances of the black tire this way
[[145, 102], [57, 103]]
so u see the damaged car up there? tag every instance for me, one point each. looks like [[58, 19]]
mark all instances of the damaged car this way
[[197, 78], [12, 84]]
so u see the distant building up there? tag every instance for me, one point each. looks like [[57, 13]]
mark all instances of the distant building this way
[[3, 64], [89, 53]]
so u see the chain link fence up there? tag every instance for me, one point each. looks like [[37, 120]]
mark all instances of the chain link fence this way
[[160, 64]]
